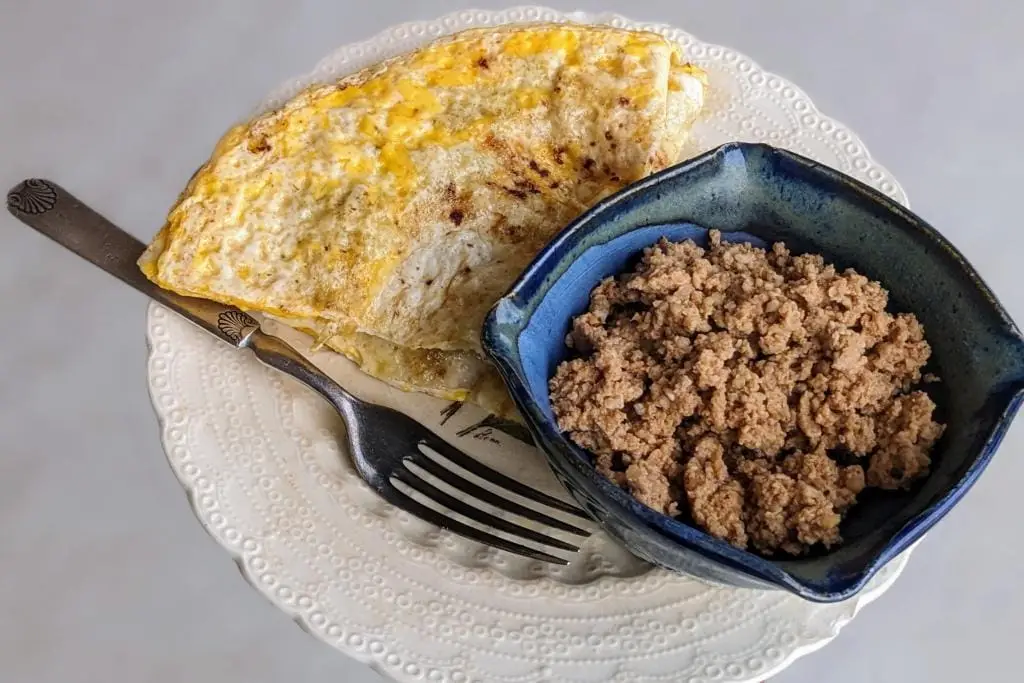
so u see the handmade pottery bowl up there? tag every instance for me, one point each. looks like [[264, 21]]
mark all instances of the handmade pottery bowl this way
[[761, 194]]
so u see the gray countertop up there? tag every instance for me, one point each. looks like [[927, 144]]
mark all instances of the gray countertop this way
[[106, 574]]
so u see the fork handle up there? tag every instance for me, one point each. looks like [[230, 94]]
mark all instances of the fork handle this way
[[48, 208], [53, 211], [280, 355]]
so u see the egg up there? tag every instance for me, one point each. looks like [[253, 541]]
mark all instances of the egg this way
[[385, 213]]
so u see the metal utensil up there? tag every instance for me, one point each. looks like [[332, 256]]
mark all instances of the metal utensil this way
[[383, 442]]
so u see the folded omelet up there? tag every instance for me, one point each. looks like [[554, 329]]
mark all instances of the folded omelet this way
[[385, 213]]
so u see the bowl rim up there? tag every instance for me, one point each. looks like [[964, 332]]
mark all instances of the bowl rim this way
[[511, 314]]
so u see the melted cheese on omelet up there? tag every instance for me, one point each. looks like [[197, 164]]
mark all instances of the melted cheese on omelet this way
[[387, 212]]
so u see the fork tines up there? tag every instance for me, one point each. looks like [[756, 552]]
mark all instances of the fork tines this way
[[464, 497]]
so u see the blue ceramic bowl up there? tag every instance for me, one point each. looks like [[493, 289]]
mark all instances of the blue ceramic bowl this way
[[761, 194]]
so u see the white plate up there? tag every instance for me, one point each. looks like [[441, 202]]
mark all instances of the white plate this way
[[262, 462]]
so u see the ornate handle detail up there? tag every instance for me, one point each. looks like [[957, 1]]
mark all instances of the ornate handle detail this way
[[33, 196], [236, 325]]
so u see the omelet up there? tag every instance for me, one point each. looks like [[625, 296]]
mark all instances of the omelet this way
[[385, 213]]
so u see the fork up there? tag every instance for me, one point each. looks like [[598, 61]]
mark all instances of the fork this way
[[383, 442]]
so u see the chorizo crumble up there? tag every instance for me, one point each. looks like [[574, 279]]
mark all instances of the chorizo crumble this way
[[762, 390]]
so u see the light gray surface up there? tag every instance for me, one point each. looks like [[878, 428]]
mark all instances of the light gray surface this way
[[106, 574]]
